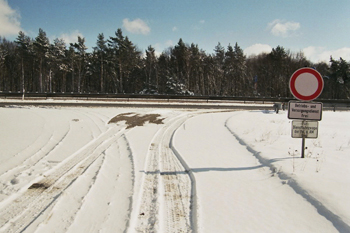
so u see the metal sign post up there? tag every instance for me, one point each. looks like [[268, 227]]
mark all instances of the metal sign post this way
[[303, 146]]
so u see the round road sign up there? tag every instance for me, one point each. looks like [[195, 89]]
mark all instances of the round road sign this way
[[306, 84]]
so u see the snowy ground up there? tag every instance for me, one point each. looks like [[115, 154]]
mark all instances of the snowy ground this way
[[170, 170]]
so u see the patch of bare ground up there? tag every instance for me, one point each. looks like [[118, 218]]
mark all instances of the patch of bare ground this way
[[39, 186], [133, 119]]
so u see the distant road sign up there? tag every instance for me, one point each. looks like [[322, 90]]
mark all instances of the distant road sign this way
[[306, 84], [304, 129], [305, 110]]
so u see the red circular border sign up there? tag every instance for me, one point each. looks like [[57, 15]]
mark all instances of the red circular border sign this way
[[294, 77]]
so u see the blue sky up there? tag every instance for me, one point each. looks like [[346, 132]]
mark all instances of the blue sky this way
[[319, 28]]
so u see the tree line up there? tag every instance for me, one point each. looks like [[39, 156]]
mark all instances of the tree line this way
[[116, 65]]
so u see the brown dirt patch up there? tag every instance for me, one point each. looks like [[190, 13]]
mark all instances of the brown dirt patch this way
[[134, 119], [38, 186]]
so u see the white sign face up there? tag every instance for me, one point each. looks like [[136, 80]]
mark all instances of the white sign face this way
[[306, 84], [306, 129], [305, 111]]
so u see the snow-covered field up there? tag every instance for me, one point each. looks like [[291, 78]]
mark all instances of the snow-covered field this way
[[71, 169]]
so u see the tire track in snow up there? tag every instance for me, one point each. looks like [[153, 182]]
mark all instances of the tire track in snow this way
[[147, 212], [26, 167], [109, 193], [98, 118], [102, 186], [94, 126], [33, 148], [62, 215], [42, 156], [21, 212], [165, 203], [177, 187]]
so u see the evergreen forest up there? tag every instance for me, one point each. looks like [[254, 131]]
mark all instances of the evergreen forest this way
[[116, 65]]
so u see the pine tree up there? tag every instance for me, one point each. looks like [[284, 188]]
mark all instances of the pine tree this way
[[180, 59], [340, 77], [81, 60], [42, 45], [279, 75], [164, 70], [151, 70], [116, 47], [101, 50], [230, 79], [3, 55], [131, 61], [219, 60], [58, 60], [239, 70], [71, 59], [125, 58], [23, 43], [196, 72]]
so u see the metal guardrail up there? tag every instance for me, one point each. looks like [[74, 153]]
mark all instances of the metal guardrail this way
[[329, 104]]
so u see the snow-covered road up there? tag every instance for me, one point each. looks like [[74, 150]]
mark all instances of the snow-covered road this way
[[169, 170]]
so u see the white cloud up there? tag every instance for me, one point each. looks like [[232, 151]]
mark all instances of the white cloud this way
[[174, 29], [257, 49], [9, 20], [282, 28], [321, 54], [157, 47], [136, 26], [311, 53], [160, 47], [199, 25], [71, 37], [169, 43]]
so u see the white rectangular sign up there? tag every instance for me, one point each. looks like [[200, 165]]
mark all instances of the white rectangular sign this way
[[306, 129], [305, 110]]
